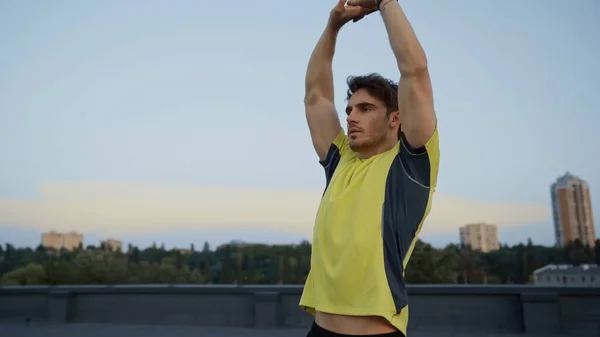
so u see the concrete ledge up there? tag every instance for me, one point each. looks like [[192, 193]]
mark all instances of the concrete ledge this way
[[267, 309], [544, 297], [59, 305], [541, 313], [457, 309]]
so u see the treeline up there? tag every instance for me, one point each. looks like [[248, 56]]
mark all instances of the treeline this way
[[263, 264]]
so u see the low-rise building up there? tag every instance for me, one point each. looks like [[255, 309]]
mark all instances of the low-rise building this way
[[585, 275], [112, 245]]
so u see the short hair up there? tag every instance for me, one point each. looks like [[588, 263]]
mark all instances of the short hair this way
[[377, 86]]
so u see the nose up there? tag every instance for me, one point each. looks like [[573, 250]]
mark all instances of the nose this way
[[351, 119]]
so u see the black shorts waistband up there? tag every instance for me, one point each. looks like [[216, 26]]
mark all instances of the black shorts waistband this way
[[317, 331]]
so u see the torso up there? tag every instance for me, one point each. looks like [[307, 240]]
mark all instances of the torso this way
[[365, 229], [354, 325]]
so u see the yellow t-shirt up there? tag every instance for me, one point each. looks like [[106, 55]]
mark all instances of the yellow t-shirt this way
[[366, 227]]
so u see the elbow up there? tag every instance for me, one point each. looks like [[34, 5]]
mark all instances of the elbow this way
[[415, 69], [414, 66], [312, 97]]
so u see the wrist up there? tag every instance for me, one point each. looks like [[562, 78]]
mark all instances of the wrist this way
[[332, 27], [381, 4]]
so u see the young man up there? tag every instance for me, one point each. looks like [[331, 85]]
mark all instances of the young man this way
[[380, 180]]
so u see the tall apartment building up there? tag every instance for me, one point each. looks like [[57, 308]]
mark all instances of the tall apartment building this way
[[58, 241], [112, 245], [480, 236], [572, 210]]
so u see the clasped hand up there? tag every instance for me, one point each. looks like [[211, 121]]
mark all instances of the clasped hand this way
[[354, 10]]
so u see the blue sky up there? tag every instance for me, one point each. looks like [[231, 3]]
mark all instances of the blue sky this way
[[122, 119]]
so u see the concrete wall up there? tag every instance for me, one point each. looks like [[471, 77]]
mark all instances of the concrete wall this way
[[443, 308]]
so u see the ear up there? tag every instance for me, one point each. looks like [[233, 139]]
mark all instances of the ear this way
[[394, 119]]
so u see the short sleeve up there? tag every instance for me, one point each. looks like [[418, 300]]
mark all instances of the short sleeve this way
[[422, 164], [339, 147]]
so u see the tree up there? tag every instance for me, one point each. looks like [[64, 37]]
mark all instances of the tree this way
[[239, 269], [226, 276], [578, 253], [135, 257], [300, 269], [32, 274], [286, 276], [178, 261], [251, 270], [466, 265], [270, 264], [207, 271]]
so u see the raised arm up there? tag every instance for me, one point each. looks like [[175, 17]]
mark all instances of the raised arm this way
[[415, 97], [322, 118]]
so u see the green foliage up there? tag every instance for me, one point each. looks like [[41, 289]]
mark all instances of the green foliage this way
[[263, 264]]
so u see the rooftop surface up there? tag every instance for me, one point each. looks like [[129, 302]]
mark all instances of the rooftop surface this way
[[114, 330]]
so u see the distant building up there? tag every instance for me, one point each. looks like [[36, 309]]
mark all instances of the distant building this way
[[112, 245], [185, 251], [586, 275], [480, 236], [572, 211], [58, 241]]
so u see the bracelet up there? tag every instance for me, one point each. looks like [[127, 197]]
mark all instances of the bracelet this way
[[378, 3]]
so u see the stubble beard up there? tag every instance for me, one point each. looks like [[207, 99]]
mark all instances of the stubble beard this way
[[370, 142]]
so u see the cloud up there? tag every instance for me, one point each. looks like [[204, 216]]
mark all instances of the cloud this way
[[129, 208]]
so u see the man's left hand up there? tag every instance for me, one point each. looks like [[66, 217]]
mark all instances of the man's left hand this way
[[366, 4]]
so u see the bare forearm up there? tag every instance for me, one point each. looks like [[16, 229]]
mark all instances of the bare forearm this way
[[409, 53], [319, 75]]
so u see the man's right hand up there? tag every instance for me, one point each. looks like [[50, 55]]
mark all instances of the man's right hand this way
[[342, 14]]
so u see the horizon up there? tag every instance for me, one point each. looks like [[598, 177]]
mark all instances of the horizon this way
[[143, 122], [93, 239]]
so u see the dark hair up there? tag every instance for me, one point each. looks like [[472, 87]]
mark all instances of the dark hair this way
[[377, 86]]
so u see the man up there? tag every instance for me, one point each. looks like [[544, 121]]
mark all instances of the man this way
[[379, 180]]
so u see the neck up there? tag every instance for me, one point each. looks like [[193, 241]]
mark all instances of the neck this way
[[375, 150]]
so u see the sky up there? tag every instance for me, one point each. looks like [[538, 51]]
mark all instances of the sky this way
[[183, 121]]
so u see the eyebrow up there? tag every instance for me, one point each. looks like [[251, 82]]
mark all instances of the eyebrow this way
[[361, 104]]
